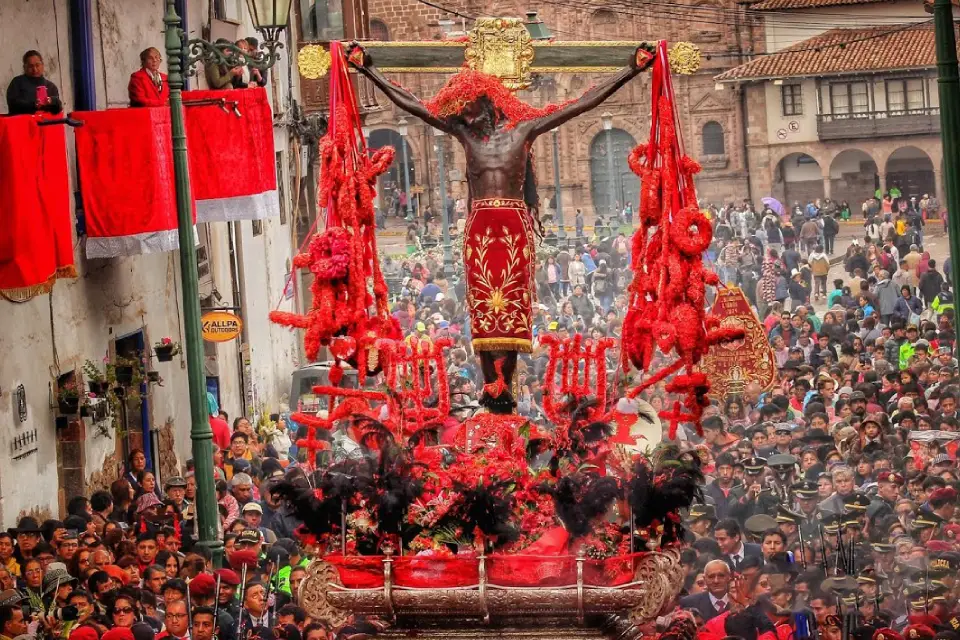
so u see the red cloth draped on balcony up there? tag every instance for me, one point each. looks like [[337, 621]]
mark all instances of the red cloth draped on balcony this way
[[36, 245], [232, 160], [126, 175]]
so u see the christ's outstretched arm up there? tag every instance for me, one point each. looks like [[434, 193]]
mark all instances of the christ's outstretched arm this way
[[398, 95], [642, 59]]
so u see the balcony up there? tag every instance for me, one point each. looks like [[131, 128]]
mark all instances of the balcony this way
[[877, 124]]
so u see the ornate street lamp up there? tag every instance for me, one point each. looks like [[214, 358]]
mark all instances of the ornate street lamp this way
[[270, 18], [536, 28], [403, 131], [607, 119]]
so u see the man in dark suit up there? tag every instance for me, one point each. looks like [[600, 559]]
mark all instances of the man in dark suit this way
[[148, 87], [716, 599], [734, 550]]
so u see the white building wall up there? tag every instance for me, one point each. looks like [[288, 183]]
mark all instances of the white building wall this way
[[51, 335], [783, 129], [786, 28]]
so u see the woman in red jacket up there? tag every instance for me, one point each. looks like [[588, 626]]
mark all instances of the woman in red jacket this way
[[148, 87]]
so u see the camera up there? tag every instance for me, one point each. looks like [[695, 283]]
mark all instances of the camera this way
[[65, 614]]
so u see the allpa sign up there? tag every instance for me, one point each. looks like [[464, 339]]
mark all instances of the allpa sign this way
[[220, 326]]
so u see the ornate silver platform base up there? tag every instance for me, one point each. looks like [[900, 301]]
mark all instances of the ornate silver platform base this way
[[656, 583]]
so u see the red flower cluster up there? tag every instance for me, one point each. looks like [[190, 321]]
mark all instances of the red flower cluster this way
[[668, 292], [468, 86], [343, 259]]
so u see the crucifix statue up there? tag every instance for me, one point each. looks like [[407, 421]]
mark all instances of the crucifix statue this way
[[497, 132]]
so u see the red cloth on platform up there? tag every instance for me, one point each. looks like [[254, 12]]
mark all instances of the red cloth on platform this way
[[36, 244], [499, 253], [232, 159], [125, 158]]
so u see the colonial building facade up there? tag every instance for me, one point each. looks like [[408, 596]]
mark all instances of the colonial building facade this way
[[842, 103]]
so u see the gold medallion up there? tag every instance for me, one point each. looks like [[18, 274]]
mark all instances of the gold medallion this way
[[313, 61], [685, 58]]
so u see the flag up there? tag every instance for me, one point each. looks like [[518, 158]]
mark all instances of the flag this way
[[232, 161], [36, 246], [125, 162]]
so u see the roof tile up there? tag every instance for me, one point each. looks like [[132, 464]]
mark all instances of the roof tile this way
[[908, 46], [780, 5]]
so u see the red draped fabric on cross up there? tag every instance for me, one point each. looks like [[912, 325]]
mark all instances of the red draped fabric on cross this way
[[668, 293], [36, 247], [232, 158]]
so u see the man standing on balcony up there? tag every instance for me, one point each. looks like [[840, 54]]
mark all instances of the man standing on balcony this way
[[148, 87], [31, 92]]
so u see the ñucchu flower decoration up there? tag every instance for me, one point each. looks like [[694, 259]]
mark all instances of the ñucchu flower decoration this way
[[343, 258], [468, 86], [667, 296]]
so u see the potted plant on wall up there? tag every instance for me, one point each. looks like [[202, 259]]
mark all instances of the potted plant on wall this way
[[96, 380], [68, 398], [165, 349], [123, 371]]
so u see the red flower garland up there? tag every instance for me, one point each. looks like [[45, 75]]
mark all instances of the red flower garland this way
[[469, 85], [667, 295], [343, 259]]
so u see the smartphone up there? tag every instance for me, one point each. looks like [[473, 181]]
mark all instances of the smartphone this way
[[42, 94]]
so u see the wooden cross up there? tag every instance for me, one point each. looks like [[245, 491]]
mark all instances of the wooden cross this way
[[500, 47]]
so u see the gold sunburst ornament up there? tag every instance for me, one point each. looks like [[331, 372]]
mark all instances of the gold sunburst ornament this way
[[313, 61], [685, 58]]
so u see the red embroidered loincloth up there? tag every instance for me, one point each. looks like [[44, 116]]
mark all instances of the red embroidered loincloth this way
[[499, 253]]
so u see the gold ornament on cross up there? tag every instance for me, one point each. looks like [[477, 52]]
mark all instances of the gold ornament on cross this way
[[685, 58], [501, 47], [313, 61]]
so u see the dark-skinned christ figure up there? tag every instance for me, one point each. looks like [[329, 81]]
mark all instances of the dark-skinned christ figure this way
[[497, 131]]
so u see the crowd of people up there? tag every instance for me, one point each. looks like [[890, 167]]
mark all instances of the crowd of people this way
[[831, 494]]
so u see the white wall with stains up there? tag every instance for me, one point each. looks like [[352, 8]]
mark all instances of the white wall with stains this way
[[112, 298]]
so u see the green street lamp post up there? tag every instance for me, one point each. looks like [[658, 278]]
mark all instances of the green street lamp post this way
[[269, 17], [948, 82]]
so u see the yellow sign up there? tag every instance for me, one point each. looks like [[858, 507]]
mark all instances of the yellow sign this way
[[220, 326]]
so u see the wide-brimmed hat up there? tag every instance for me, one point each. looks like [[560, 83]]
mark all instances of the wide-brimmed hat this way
[[55, 577], [26, 524], [11, 597], [817, 435], [146, 501]]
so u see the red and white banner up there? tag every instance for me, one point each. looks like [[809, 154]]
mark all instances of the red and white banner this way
[[126, 179], [232, 161], [36, 245]]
